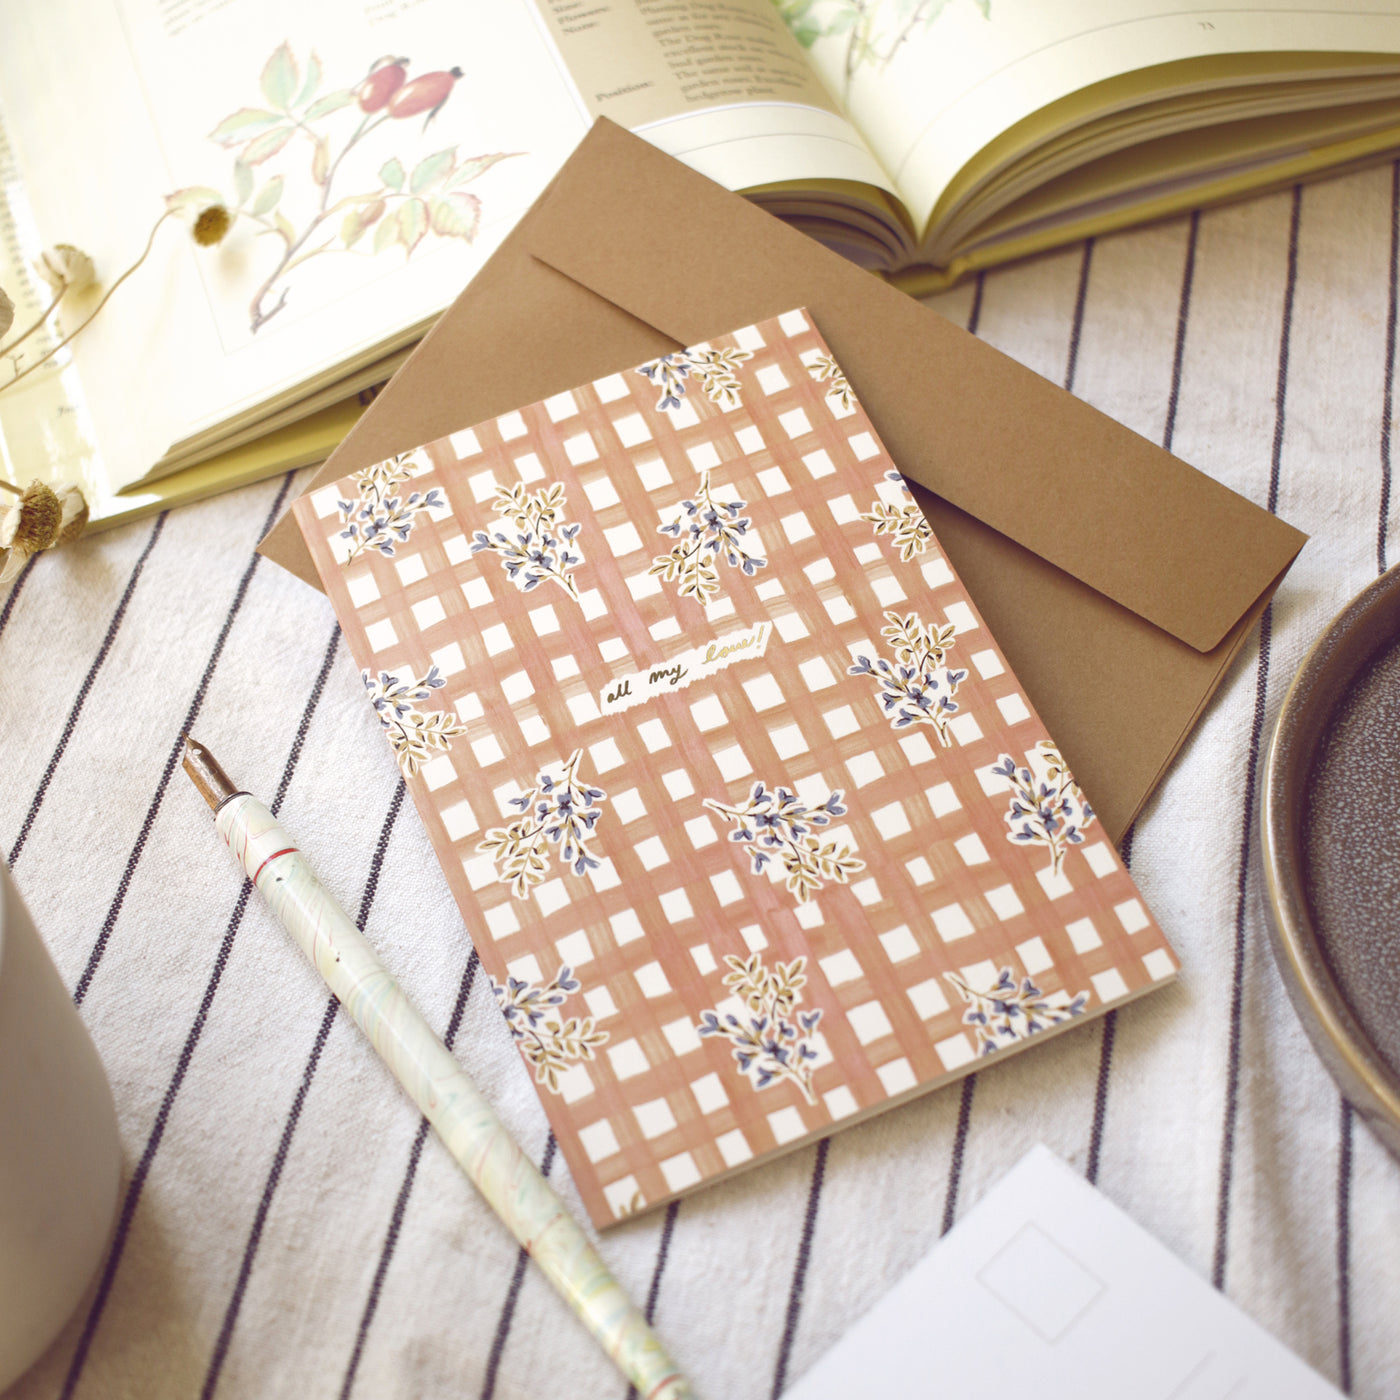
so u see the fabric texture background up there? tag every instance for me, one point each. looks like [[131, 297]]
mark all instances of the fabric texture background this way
[[288, 1229]]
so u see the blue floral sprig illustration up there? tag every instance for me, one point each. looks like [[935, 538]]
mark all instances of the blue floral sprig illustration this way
[[558, 811], [543, 549], [715, 369], [414, 736], [823, 367], [911, 531], [382, 517], [916, 688], [1007, 1012], [1051, 812], [547, 1041], [706, 531], [774, 1042], [776, 826]]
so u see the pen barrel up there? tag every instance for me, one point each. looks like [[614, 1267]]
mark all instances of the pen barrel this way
[[445, 1094]]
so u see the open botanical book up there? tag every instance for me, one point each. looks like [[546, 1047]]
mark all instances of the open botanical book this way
[[753, 827], [373, 154]]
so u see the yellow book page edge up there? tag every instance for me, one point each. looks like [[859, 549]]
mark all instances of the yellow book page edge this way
[[1325, 161], [1186, 159], [1134, 89], [301, 444]]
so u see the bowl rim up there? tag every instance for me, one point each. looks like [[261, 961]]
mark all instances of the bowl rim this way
[[1363, 1076]]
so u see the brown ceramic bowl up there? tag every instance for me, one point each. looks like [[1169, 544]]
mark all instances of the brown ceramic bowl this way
[[1331, 839]]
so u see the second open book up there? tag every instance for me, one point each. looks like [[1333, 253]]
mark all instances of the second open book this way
[[753, 828]]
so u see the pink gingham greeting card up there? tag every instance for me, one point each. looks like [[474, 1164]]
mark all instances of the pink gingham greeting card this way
[[753, 828]]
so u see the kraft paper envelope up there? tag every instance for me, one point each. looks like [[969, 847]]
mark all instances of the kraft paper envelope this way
[[1118, 581]]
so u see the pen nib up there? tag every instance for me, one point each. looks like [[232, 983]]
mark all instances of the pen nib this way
[[215, 786]]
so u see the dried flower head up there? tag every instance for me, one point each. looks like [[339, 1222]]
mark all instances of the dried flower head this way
[[7, 312], [32, 523], [65, 268], [39, 519], [211, 225], [75, 515]]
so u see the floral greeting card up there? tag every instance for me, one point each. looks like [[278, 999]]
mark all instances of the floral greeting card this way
[[752, 826]]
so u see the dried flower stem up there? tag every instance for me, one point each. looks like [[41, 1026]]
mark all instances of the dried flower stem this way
[[10, 486], [107, 296]]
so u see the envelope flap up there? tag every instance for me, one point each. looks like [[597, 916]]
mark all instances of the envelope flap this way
[[979, 430]]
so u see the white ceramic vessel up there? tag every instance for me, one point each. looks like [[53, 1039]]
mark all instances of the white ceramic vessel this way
[[60, 1156]]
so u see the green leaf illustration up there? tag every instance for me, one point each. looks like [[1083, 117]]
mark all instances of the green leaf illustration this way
[[391, 172], [413, 223], [331, 102], [279, 77], [355, 224], [321, 161], [242, 181], [456, 216], [312, 81], [284, 227], [267, 145], [245, 122], [432, 170], [267, 197], [191, 201], [386, 235], [476, 165]]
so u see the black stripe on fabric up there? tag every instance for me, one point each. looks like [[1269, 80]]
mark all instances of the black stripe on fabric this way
[[974, 317], [799, 1272], [1232, 1057], [386, 1253], [1125, 846], [113, 627], [137, 1183], [654, 1292], [1261, 693], [192, 714], [1387, 402], [1077, 325], [250, 1248], [1183, 311], [1344, 1250], [16, 588], [1110, 1032], [498, 1342], [289, 1126], [391, 1236], [955, 1165], [1110, 1029]]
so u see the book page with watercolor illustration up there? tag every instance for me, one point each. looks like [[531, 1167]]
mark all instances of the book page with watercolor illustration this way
[[372, 155], [930, 85]]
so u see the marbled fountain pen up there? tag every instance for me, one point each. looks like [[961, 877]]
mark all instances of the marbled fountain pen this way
[[433, 1079]]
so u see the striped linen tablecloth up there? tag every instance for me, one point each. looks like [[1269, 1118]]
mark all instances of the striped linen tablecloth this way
[[288, 1228]]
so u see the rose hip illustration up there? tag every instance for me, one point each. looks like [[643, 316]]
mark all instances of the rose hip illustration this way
[[404, 204], [425, 94], [386, 76]]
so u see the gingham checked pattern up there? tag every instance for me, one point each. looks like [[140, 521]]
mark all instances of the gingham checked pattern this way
[[659, 1109]]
